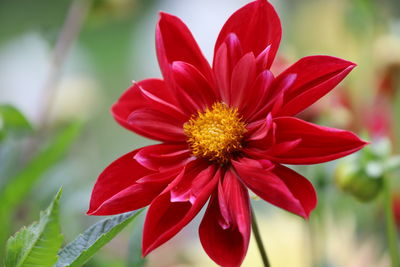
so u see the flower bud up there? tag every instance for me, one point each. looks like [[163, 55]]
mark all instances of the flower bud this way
[[358, 181]]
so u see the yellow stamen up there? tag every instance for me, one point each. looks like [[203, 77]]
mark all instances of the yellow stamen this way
[[216, 133]]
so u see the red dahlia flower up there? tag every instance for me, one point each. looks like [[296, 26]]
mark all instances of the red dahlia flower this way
[[223, 130]]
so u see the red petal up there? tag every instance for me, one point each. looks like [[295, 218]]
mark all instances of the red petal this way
[[163, 156], [243, 76], [278, 187], [272, 99], [225, 59], [146, 104], [194, 91], [235, 51], [263, 59], [166, 218], [300, 187], [258, 95], [160, 99], [222, 71], [258, 130], [316, 76], [156, 125], [225, 228], [116, 190], [191, 183], [174, 42], [257, 26], [318, 144]]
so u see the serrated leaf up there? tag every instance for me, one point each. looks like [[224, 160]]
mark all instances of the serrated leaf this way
[[20, 185], [11, 119], [37, 244], [89, 242]]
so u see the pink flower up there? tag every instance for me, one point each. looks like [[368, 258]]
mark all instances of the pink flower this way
[[223, 130]]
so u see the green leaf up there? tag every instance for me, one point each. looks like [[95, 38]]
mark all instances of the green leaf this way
[[87, 244], [12, 120], [38, 244], [20, 185]]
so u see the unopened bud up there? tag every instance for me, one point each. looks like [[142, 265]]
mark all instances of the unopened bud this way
[[358, 181]]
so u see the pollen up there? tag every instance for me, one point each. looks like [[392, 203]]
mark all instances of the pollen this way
[[216, 133]]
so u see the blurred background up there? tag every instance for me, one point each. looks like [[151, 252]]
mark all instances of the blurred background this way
[[63, 64]]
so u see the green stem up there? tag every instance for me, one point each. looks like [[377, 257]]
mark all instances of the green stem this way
[[259, 242], [391, 233]]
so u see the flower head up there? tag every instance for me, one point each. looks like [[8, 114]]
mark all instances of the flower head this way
[[223, 129], [215, 134]]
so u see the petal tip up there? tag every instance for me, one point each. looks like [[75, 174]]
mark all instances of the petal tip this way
[[306, 216], [145, 246], [163, 14], [168, 18], [308, 212], [94, 211], [352, 65], [164, 17], [91, 211], [363, 142], [145, 251]]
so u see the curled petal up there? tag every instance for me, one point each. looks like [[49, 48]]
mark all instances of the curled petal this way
[[263, 59], [222, 72], [257, 26], [274, 97], [235, 51], [225, 228], [316, 76], [225, 59], [155, 124], [116, 190], [149, 109], [316, 144], [151, 99], [193, 89], [258, 95], [243, 75], [277, 185], [190, 185], [259, 130], [163, 156], [260, 163], [165, 218], [174, 42]]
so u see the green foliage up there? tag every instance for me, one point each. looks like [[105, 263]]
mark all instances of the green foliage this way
[[87, 244], [12, 120], [37, 245], [20, 185], [44, 15]]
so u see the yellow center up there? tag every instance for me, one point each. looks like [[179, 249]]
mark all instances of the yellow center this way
[[216, 133]]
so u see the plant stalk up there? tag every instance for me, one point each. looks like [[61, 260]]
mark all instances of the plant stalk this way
[[391, 232], [259, 242]]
